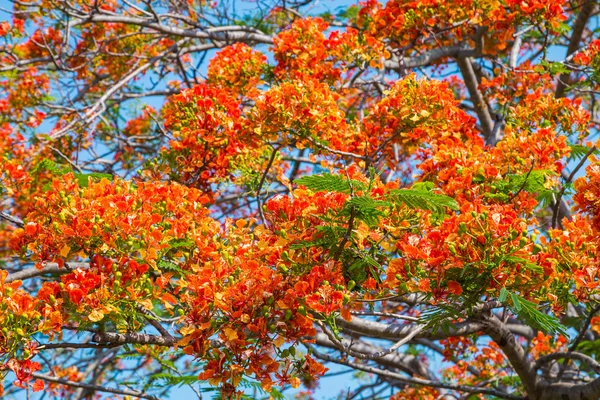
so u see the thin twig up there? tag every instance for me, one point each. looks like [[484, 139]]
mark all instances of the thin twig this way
[[524, 183], [412, 380], [261, 183], [126, 392], [569, 179]]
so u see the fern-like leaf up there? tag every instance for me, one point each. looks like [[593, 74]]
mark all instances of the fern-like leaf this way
[[367, 209], [422, 199], [83, 179], [579, 151], [532, 182], [528, 312], [330, 183], [173, 380], [50, 166]]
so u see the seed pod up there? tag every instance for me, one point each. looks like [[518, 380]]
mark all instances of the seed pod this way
[[452, 248]]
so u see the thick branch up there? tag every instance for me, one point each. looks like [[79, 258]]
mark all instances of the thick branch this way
[[406, 362], [49, 268], [346, 348], [12, 219], [479, 103], [589, 361], [569, 391], [396, 332], [514, 352], [228, 34], [133, 338]]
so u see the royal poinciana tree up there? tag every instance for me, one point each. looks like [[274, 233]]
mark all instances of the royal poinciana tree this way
[[238, 195]]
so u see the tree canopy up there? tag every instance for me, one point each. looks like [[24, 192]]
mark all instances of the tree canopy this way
[[238, 195]]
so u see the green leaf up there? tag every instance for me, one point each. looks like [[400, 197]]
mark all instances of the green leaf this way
[[366, 209], [440, 316], [528, 312], [525, 263], [181, 243], [516, 303], [579, 151], [532, 182], [366, 203], [423, 186], [555, 68], [172, 380], [503, 295], [330, 183], [169, 266], [422, 199], [51, 166], [61, 169], [350, 13], [83, 179]]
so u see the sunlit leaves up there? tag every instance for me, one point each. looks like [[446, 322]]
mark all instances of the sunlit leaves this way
[[331, 183]]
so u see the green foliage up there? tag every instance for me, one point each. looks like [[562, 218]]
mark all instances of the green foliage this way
[[532, 182], [57, 169], [331, 183], [50, 166], [578, 151], [439, 317], [181, 244], [349, 13], [525, 263], [174, 380], [528, 312], [169, 266], [257, 21], [249, 387], [419, 197], [360, 264], [83, 179], [555, 68], [590, 347], [367, 209], [422, 199]]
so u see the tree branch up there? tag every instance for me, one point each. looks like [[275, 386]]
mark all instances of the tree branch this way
[[347, 348], [397, 332], [228, 34], [133, 338], [570, 355], [415, 381], [577, 29], [405, 362], [49, 268], [10, 218], [125, 392], [479, 103], [513, 351]]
